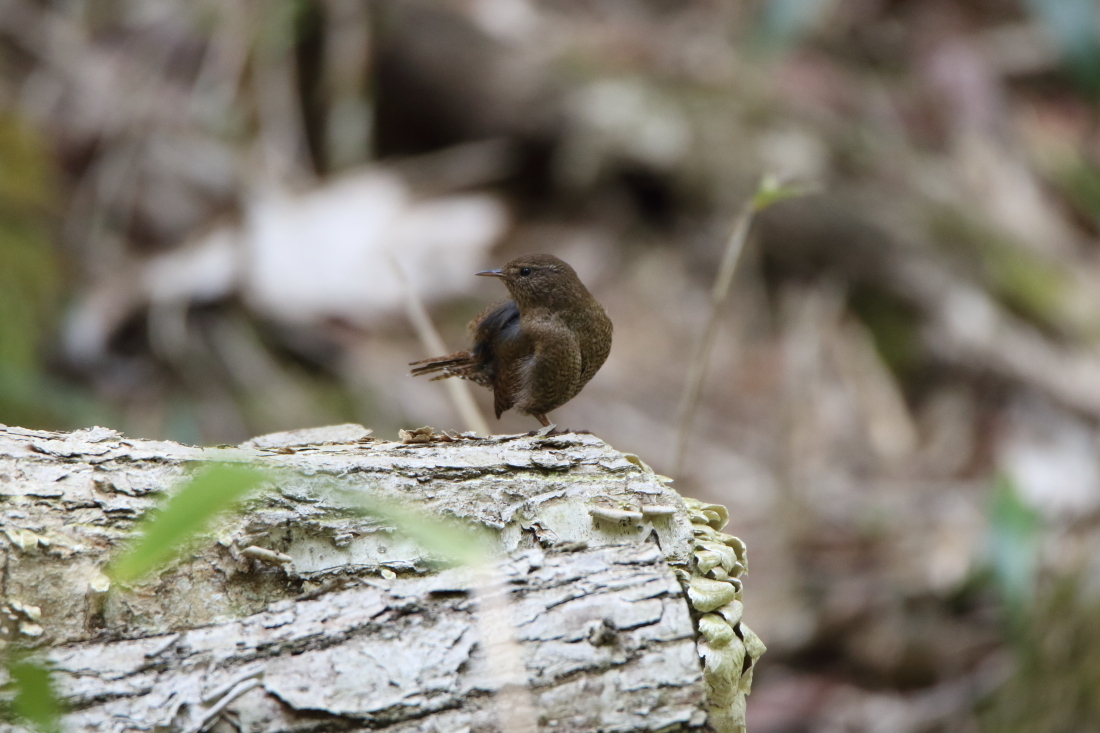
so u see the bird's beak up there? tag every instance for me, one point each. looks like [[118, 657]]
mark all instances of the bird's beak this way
[[492, 273]]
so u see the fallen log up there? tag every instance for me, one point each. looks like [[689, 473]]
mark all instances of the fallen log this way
[[608, 602]]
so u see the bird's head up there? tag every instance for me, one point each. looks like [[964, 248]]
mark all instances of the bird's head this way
[[541, 280]]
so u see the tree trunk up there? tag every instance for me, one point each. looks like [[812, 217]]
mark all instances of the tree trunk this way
[[611, 604]]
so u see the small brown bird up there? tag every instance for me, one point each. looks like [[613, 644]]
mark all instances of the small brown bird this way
[[538, 349]]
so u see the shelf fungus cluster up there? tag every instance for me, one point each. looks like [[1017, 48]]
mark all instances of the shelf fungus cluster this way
[[19, 620], [728, 647]]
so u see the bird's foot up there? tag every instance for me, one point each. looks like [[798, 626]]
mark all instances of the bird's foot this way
[[550, 430]]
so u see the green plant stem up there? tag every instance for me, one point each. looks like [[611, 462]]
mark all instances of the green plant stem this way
[[698, 369]]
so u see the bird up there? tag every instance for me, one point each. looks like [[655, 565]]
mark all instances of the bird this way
[[537, 349]]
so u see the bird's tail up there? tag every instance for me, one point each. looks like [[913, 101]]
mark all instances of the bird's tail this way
[[455, 365]]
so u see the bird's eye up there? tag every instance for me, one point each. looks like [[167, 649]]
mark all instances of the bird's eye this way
[[524, 271]]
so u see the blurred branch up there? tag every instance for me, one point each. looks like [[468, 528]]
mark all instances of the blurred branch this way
[[465, 165], [284, 154], [889, 426], [960, 323], [223, 65], [433, 344], [349, 121]]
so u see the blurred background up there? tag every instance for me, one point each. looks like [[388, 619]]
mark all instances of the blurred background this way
[[215, 213]]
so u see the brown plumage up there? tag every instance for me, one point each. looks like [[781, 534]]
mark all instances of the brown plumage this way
[[537, 350]]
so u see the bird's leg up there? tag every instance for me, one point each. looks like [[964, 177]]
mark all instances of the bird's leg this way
[[548, 428]]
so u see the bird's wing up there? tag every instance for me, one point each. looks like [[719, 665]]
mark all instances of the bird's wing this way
[[595, 343], [513, 375], [554, 370], [503, 390], [497, 324], [501, 347]]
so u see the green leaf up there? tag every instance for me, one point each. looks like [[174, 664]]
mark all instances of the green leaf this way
[[188, 512], [456, 542], [771, 191], [1014, 528], [35, 701]]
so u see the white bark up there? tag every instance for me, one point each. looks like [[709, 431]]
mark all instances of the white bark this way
[[299, 613]]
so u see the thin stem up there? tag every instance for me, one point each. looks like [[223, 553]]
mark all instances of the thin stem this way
[[496, 621], [433, 343], [698, 370]]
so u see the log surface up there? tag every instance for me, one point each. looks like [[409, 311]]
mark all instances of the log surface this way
[[300, 612]]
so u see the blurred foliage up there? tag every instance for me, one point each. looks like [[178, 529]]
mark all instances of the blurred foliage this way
[[785, 22], [454, 542], [217, 489], [1080, 183], [1023, 281], [1056, 683], [32, 695], [1073, 23], [893, 325], [1014, 540], [29, 270], [186, 513], [1054, 632]]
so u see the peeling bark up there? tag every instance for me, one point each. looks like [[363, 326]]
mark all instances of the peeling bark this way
[[299, 613]]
